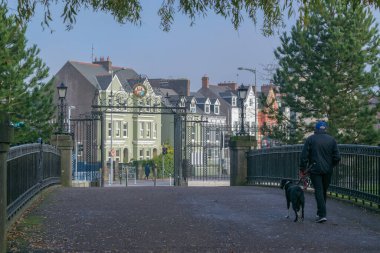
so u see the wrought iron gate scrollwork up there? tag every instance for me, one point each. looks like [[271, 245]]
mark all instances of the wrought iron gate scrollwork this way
[[86, 162], [199, 146], [207, 151]]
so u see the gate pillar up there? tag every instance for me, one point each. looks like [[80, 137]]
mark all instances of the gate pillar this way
[[6, 134], [64, 143], [239, 146]]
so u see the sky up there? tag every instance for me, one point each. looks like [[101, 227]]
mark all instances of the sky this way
[[211, 47]]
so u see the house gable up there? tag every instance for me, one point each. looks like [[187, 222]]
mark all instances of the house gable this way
[[114, 84], [207, 106], [76, 84]]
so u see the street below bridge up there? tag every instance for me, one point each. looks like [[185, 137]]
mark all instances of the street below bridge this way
[[190, 219]]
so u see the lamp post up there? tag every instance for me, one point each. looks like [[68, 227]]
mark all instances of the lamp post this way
[[242, 93], [62, 90], [253, 70]]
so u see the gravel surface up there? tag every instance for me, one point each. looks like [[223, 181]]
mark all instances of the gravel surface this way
[[194, 219]]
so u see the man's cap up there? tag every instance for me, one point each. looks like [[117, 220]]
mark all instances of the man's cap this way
[[321, 125]]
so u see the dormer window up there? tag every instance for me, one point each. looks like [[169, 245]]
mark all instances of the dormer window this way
[[233, 101], [182, 102], [207, 108], [193, 108], [216, 109]]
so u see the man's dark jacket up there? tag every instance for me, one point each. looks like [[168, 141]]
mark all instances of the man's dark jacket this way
[[320, 153]]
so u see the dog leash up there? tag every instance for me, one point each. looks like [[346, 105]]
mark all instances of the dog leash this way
[[305, 179]]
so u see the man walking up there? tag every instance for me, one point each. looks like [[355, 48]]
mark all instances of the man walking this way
[[320, 154]]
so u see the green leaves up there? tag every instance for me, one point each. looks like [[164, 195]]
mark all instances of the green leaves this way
[[328, 70], [130, 11], [23, 93]]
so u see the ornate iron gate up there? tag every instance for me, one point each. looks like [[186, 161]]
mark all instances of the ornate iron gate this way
[[200, 148], [87, 151], [207, 152]]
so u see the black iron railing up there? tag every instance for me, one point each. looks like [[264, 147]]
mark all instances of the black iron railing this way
[[357, 176], [30, 168]]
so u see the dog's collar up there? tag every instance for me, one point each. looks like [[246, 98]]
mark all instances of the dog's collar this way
[[287, 183]]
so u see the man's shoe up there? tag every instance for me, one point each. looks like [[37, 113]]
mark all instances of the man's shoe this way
[[321, 220]]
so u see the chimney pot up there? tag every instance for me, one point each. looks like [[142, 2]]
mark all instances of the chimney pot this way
[[205, 81], [106, 64]]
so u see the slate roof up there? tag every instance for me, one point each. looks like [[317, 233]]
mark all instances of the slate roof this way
[[201, 100], [104, 81], [214, 92], [180, 85], [96, 73], [197, 95], [219, 89], [126, 74], [167, 92]]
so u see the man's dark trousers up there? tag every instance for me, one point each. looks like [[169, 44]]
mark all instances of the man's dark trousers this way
[[321, 183]]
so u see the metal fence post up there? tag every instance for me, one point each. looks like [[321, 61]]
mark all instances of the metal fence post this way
[[126, 176], [41, 163], [6, 134]]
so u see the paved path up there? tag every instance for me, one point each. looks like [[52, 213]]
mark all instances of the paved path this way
[[195, 219]]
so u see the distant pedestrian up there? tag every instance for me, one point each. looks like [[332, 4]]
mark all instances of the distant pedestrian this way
[[147, 171], [320, 154]]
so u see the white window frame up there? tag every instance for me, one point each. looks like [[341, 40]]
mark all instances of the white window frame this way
[[234, 99], [218, 134], [216, 109], [193, 108], [141, 154], [216, 154], [207, 108], [208, 136], [155, 131], [117, 128], [148, 129], [125, 129], [141, 129], [109, 129]]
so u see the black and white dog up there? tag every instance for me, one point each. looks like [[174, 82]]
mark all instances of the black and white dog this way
[[295, 195]]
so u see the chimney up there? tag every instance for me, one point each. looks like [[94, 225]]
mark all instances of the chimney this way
[[205, 82], [107, 64], [188, 88], [231, 85]]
